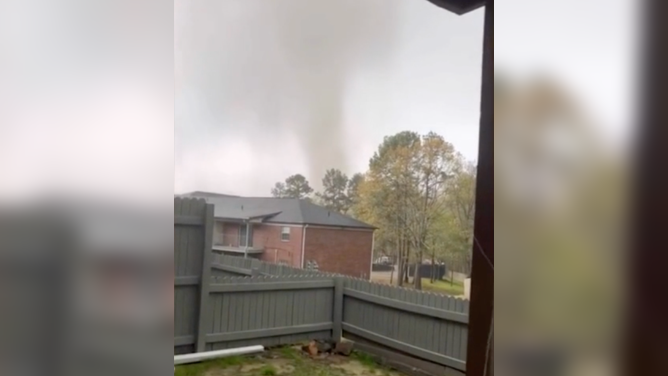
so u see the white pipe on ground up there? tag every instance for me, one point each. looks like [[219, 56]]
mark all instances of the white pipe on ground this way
[[199, 357]]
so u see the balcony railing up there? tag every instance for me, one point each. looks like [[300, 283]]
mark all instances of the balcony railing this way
[[236, 241]]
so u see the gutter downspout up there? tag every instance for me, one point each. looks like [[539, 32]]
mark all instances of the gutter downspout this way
[[247, 238], [373, 245], [303, 244]]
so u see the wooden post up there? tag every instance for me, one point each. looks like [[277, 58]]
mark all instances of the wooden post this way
[[482, 274], [204, 314], [645, 326], [337, 319]]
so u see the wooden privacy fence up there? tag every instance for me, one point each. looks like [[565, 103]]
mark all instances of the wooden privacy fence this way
[[224, 302], [235, 266], [193, 235], [269, 311], [428, 326]]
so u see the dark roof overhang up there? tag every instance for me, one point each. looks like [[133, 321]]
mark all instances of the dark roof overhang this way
[[459, 7], [254, 219]]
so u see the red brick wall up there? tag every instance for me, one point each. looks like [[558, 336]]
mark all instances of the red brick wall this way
[[340, 251], [277, 250], [344, 251], [269, 237]]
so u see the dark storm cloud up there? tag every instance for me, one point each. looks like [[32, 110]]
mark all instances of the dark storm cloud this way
[[266, 70]]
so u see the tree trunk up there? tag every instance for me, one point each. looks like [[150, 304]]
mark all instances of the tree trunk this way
[[404, 260], [433, 270], [401, 271], [417, 278], [393, 260], [407, 261], [406, 266]]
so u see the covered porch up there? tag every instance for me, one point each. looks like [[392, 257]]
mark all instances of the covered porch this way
[[237, 237]]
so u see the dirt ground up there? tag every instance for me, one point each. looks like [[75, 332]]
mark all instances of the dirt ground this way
[[288, 361]]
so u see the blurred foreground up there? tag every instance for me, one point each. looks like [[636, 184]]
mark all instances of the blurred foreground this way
[[88, 110], [86, 289], [560, 190]]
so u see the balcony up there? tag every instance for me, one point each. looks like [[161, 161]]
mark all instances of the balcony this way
[[233, 243]]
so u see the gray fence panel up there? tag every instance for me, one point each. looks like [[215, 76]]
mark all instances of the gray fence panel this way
[[270, 311], [221, 270], [189, 244], [429, 326]]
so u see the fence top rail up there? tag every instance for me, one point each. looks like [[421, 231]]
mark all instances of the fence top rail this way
[[267, 270], [268, 279], [280, 285], [420, 308], [357, 283]]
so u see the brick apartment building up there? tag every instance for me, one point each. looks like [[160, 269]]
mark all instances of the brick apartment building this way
[[292, 232]]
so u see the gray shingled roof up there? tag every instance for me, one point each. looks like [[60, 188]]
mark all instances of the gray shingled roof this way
[[276, 210]]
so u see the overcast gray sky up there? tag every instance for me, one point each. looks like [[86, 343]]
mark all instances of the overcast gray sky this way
[[264, 92], [265, 89]]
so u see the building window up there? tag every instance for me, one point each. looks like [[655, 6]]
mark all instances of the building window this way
[[285, 234]]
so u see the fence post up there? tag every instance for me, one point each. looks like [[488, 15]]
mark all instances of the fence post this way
[[337, 319], [205, 281]]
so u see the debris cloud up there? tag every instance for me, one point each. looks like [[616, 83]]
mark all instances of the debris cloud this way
[[273, 70]]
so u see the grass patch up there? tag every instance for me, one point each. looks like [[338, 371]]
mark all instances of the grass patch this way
[[286, 361], [198, 369], [443, 287], [268, 370], [290, 353], [366, 359]]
